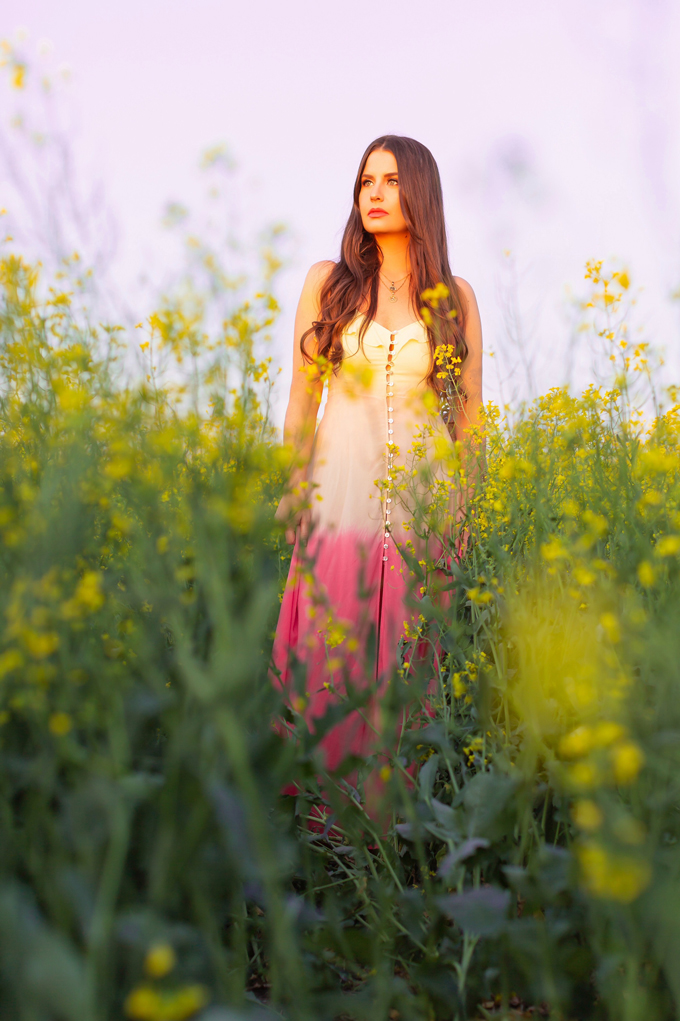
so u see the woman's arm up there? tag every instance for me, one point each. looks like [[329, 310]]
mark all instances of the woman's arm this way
[[468, 422], [303, 405]]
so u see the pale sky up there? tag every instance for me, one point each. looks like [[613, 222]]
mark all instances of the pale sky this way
[[556, 127]]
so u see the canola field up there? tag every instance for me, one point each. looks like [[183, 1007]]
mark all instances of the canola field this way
[[150, 868]]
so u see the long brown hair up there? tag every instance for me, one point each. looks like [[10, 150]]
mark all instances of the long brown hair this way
[[354, 279]]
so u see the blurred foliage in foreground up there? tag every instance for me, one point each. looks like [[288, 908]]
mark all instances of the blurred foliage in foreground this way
[[149, 867]]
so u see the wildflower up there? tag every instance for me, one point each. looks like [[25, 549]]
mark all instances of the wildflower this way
[[459, 688], [646, 574], [584, 774], [613, 877], [610, 624], [607, 732], [627, 761], [160, 960], [553, 550], [184, 1003], [60, 724], [143, 1004], [39, 644], [668, 546], [586, 814], [576, 744], [584, 576], [10, 660]]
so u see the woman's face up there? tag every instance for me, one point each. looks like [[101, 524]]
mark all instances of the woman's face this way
[[379, 195]]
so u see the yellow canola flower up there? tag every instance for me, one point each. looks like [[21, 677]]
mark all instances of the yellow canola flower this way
[[627, 761], [576, 744], [144, 1003], [582, 740], [160, 960], [60, 724], [459, 687], [655, 461], [584, 775], [584, 576], [610, 624], [553, 549], [119, 467], [646, 574], [668, 546], [39, 645], [586, 814], [612, 877], [606, 732], [442, 448], [10, 660]]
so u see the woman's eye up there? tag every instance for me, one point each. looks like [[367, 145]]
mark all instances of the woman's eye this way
[[365, 183], [393, 180]]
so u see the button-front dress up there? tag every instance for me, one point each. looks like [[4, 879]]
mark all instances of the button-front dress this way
[[344, 605]]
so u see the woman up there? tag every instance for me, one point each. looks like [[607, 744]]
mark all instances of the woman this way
[[360, 325]]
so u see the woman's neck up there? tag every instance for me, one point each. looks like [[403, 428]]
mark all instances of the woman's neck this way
[[395, 255]]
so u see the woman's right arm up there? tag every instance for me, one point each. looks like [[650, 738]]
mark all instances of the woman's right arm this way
[[303, 405]]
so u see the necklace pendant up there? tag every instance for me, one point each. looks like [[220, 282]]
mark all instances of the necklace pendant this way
[[393, 298]]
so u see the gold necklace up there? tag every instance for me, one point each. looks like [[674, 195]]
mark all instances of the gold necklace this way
[[392, 286]]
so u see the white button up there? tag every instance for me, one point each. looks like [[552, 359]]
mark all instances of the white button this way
[[386, 545], [390, 421], [390, 431], [384, 558], [390, 409], [389, 500]]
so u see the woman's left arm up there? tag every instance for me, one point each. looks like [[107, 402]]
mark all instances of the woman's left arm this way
[[468, 422]]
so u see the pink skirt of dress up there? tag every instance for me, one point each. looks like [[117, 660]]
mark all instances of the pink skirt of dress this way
[[381, 450]]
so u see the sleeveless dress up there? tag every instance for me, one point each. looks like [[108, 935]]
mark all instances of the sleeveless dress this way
[[343, 609]]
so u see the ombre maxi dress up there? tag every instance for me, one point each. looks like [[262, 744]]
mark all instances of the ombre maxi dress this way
[[344, 605]]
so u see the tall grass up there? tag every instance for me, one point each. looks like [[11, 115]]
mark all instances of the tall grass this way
[[149, 865]]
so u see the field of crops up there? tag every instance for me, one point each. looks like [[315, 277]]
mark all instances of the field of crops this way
[[149, 867]]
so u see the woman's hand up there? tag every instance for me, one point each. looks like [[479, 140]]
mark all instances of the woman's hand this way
[[294, 512]]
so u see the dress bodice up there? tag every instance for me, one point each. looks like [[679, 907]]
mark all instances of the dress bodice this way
[[362, 372]]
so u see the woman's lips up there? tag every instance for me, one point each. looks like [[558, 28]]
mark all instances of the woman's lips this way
[[377, 212]]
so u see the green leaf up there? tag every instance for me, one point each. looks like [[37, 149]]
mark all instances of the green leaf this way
[[481, 912], [488, 800]]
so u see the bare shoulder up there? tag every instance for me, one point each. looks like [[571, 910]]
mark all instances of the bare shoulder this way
[[308, 306], [466, 290], [317, 276]]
